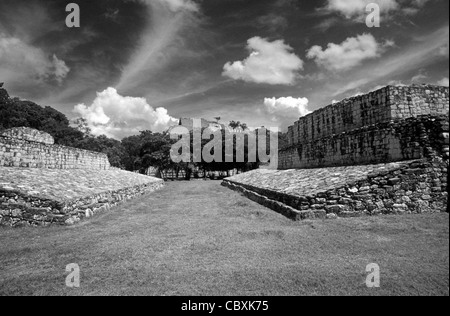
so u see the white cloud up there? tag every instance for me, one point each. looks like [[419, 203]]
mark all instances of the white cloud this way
[[420, 53], [161, 40], [350, 53], [180, 5], [444, 82], [444, 50], [356, 9], [60, 69], [272, 22], [412, 7], [21, 62], [285, 111], [269, 62], [421, 77], [117, 116]]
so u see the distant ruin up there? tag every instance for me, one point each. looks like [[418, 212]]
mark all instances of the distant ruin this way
[[42, 183], [388, 125], [29, 148], [386, 152]]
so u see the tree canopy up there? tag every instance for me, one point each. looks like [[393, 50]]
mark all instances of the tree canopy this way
[[134, 153]]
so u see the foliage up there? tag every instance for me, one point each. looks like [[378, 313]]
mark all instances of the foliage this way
[[236, 125], [134, 153], [17, 113], [148, 150]]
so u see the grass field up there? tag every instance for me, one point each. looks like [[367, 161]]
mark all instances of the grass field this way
[[198, 238]]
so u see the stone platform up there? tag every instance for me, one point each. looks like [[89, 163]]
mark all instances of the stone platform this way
[[40, 197], [394, 188]]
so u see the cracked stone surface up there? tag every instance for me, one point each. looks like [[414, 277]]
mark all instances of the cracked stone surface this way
[[64, 185], [308, 182]]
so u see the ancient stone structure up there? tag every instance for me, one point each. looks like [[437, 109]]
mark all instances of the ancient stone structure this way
[[29, 148], [29, 134], [388, 125], [386, 152], [42, 183], [41, 197], [395, 188]]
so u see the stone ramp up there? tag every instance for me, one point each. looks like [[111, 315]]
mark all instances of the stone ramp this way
[[40, 197], [393, 188]]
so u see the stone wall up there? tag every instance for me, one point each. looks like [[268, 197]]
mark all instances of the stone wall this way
[[29, 134], [401, 133], [415, 187], [43, 184], [413, 138], [28, 148], [18, 210], [384, 105], [40, 197], [390, 124]]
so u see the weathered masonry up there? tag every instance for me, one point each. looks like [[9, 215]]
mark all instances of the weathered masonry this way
[[386, 152], [44, 184], [25, 147], [388, 125]]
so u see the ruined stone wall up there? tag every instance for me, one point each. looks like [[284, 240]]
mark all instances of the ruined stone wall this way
[[418, 187], [28, 148], [390, 124], [29, 134], [386, 104], [19, 210], [414, 138]]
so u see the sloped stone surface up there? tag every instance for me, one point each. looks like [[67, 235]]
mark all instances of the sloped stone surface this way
[[45, 196], [307, 182], [395, 188]]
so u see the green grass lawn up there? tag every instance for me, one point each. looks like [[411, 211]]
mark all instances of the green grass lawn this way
[[198, 238]]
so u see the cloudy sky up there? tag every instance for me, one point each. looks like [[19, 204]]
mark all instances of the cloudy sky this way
[[141, 64]]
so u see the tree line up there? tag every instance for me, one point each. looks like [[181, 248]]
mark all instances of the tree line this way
[[134, 153]]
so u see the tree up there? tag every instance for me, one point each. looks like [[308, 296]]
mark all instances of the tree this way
[[238, 125], [225, 166], [83, 126], [148, 150], [111, 147], [18, 113]]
